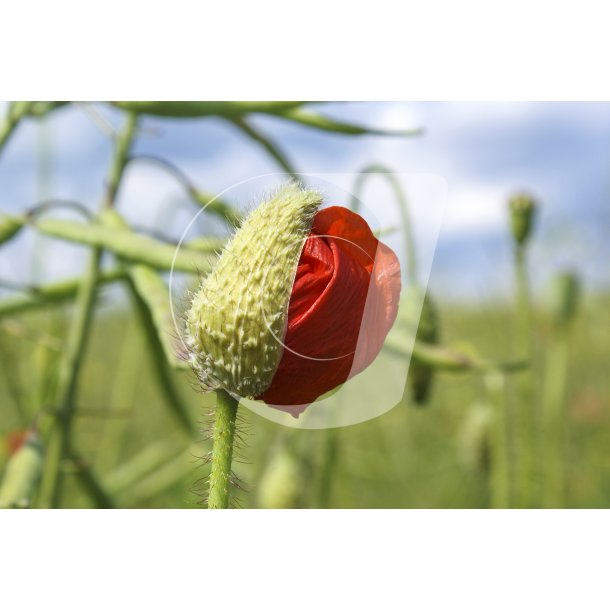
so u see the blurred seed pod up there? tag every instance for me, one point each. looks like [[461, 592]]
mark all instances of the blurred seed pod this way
[[15, 440], [10, 226], [282, 482], [421, 375], [522, 217], [22, 474], [564, 297], [475, 441]]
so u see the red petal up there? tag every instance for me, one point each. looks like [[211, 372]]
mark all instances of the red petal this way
[[344, 301]]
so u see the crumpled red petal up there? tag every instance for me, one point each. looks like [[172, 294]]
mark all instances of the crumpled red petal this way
[[343, 303]]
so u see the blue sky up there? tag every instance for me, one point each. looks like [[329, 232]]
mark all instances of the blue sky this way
[[484, 151]]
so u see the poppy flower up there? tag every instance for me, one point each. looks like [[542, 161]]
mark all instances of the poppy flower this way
[[300, 301], [343, 271]]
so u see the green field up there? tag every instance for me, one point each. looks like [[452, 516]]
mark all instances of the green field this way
[[436, 455]]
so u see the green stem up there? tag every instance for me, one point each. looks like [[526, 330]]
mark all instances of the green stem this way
[[447, 359], [121, 156], [16, 111], [222, 450], [555, 420], [328, 468], [267, 144], [526, 425], [403, 206], [59, 439], [164, 377], [60, 442], [500, 459]]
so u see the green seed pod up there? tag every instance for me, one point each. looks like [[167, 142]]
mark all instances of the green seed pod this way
[[128, 245], [282, 482], [193, 109], [564, 298], [421, 375], [522, 216], [10, 226], [238, 316], [22, 474]]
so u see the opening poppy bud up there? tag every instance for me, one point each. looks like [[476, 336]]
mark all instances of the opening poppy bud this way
[[564, 298], [300, 301], [522, 215]]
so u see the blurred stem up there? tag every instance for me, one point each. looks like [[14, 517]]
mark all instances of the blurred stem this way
[[91, 485], [121, 156], [267, 144], [554, 411], [328, 467], [526, 415], [210, 202], [16, 111], [60, 442], [222, 450], [447, 359], [403, 207], [500, 458], [163, 375]]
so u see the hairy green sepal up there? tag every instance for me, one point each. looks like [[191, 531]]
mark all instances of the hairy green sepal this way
[[237, 320]]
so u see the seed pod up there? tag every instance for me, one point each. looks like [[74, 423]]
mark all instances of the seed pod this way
[[58, 292], [421, 375], [193, 109], [10, 226], [22, 474], [282, 482], [238, 316], [522, 216], [130, 246], [564, 297]]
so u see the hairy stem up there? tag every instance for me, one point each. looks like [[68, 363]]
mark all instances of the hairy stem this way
[[222, 450]]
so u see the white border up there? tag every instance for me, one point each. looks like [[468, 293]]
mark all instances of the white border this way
[[304, 559]]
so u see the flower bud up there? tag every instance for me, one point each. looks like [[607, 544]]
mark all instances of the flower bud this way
[[564, 297], [22, 474], [475, 437], [281, 485], [238, 317], [299, 302], [522, 216]]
